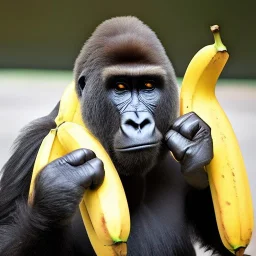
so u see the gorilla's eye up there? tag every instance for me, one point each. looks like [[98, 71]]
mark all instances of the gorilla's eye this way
[[121, 86], [81, 83], [149, 85]]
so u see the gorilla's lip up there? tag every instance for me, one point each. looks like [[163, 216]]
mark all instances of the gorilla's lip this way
[[137, 147]]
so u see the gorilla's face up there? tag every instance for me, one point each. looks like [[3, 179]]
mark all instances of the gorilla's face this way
[[130, 114], [138, 139], [128, 93]]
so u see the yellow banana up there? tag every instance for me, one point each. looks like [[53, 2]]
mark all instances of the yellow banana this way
[[227, 174], [118, 249], [68, 105], [110, 201], [69, 99], [107, 206], [50, 148], [42, 159]]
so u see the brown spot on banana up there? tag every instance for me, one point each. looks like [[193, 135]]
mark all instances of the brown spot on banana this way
[[103, 224], [228, 203]]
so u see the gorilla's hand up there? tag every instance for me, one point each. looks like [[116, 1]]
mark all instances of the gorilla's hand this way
[[61, 184], [190, 142]]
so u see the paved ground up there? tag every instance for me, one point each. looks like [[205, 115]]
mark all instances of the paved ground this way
[[26, 97]]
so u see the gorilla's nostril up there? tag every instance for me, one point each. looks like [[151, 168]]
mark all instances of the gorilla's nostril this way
[[132, 123], [144, 123], [137, 126]]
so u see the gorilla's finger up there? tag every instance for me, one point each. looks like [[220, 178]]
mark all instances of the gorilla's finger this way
[[180, 120], [99, 172], [191, 126], [203, 132], [79, 156], [90, 174], [177, 144]]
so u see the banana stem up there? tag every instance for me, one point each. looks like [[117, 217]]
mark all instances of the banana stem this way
[[217, 39], [240, 251]]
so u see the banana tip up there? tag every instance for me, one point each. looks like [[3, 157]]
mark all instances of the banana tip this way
[[240, 251], [120, 249]]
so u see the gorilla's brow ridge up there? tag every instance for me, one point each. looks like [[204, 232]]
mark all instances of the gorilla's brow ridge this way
[[130, 70]]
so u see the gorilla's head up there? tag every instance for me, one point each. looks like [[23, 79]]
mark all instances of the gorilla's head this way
[[128, 92]]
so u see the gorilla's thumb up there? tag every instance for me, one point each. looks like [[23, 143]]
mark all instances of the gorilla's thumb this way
[[79, 157]]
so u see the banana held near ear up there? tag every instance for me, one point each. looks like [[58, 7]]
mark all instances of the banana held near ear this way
[[227, 174], [104, 211], [110, 218]]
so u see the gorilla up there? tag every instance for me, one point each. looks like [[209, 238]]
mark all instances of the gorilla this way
[[130, 102]]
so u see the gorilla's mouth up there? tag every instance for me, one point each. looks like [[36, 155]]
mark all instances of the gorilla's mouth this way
[[137, 147]]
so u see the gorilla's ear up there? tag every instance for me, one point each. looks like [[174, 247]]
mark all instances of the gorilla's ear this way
[[81, 84]]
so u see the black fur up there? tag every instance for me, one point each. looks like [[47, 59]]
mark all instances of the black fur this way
[[17, 171], [19, 224], [166, 213]]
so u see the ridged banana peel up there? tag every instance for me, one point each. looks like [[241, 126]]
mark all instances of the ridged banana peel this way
[[42, 159], [99, 248], [227, 174], [104, 211]]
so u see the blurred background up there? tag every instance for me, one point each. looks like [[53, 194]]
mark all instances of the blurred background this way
[[39, 41]]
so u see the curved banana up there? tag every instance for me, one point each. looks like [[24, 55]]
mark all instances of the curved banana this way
[[69, 104], [227, 174], [50, 148], [118, 249], [107, 206], [42, 159]]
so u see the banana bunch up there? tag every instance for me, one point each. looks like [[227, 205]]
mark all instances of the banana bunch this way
[[104, 211], [227, 174]]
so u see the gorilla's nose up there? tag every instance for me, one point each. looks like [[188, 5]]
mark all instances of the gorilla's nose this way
[[138, 132], [137, 124]]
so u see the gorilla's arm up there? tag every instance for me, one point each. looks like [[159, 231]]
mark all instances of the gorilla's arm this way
[[190, 141], [43, 228], [16, 174], [29, 233]]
